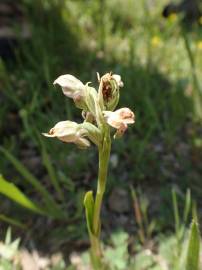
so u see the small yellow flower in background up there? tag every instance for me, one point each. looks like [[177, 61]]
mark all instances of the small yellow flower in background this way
[[156, 41], [199, 45], [172, 17], [200, 20]]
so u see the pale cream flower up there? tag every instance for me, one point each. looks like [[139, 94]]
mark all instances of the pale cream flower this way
[[119, 119], [69, 132], [118, 80], [71, 86]]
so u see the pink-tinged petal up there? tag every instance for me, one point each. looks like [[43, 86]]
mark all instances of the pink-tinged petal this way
[[48, 135], [122, 129], [65, 131], [119, 118], [112, 119], [82, 142], [69, 132], [71, 86], [68, 138], [63, 128], [118, 80], [126, 115]]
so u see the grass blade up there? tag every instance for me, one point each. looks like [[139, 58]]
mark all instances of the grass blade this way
[[50, 169], [176, 211], [192, 261], [51, 205], [12, 221], [187, 206], [12, 192]]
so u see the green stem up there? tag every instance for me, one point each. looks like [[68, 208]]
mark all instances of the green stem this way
[[93, 209], [96, 253], [197, 96], [104, 154]]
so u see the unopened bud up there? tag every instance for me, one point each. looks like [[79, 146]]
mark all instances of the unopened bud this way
[[109, 90]]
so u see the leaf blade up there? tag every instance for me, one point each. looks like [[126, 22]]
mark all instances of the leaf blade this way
[[89, 207], [52, 207], [12, 192], [192, 261], [12, 221]]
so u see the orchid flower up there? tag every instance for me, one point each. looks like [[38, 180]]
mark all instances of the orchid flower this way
[[71, 86], [98, 113], [69, 132], [119, 119]]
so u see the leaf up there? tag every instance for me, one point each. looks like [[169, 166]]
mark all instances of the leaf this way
[[12, 192], [8, 236], [12, 221], [52, 208], [89, 207], [187, 205], [8, 249], [192, 261], [176, 212]]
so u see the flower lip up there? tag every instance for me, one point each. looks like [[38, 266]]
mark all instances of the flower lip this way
[[119, 117], [126, 115]]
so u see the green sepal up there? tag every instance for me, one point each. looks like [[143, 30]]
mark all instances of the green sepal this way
[[91, 98], [93, 133], [80, 103], [92, 102]]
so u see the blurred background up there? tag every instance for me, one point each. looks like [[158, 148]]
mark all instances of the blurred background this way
[[155, 169]]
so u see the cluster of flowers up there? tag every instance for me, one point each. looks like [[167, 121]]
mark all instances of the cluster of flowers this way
[[97, 110]]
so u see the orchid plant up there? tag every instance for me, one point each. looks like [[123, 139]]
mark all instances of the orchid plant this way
[[99, 114]]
